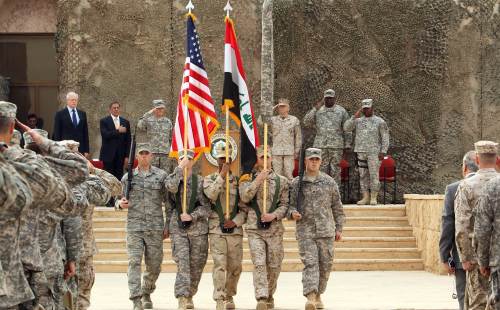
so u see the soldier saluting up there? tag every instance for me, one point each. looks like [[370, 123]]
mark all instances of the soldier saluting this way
[[318, 225]]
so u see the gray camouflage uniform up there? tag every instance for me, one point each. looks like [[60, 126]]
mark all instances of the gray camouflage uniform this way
[[189, 246], [145, 224], [159, 136], [372, 138], [287, 140], [331, 137], [322, 215], [266, 245], [487, 231], [226, 249], [467, 199]]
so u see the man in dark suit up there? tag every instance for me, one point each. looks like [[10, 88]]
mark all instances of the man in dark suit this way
[[447, 246], [71, 124], [115, 134]]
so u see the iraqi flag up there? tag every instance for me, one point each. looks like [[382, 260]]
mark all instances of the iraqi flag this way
[[236, 95]]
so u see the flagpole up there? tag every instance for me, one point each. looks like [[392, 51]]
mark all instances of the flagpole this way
[[227, 162], [264, 191], [185, 146]]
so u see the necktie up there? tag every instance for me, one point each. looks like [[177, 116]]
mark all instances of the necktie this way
[[73, 118], [117, 122]]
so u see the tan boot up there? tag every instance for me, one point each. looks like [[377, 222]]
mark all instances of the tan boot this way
[[219, 305], [365, 200], [182, 303], [146, 301], [319, 303], [137, 304], [230, 303], [189, 303], [270, 303], [373, 198], [311, 301], [261, 304]]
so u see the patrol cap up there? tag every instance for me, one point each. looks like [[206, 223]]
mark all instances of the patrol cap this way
[[486, 147], [282, 102], [260, 151], [143, 147], [313, 152], [188, 153], [366, 103], [8, 109], [16, 138], [70, 144], [27, 137], [220, 150], [159, 103], [329, 93]]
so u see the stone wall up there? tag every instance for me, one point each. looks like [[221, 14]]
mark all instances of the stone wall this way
[[27, 16], [424, 214]]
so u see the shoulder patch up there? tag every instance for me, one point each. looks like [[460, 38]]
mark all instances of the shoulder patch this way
[[246, 178]]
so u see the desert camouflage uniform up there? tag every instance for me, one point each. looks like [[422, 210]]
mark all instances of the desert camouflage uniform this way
[[487, 231], [158, 132], [226, 249], [145, 224], [287, 139], [331, 137], [266, 245], [466, 201], [85, 276], [15, 196], [322, 216], [372, 138], [189, 246]]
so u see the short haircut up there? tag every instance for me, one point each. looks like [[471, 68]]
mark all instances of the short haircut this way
[[114, 102], [488, 159], [32, 115], [5, 123], [469, 161], [72, 95]]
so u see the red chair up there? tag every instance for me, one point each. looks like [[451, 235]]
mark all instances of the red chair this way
[[345, 185], [387, 174], [97, 164]]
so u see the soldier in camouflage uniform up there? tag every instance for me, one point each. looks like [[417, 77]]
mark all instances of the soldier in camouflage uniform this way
[[331, 138], [16, 138], [145, 225], [287, 139], [371, 145], [487, 238], [226, 247], [189, 244], [266, 244], [319, 223], [467, 198], [15, 197], [159, 134]]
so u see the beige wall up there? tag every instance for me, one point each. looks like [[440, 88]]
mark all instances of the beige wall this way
[[27, 16], [424, 214]]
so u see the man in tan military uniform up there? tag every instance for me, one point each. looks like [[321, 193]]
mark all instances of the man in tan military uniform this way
[[487, 236], [467, 199], [319, 223], [264, 227], [225, 230], [287, 139]]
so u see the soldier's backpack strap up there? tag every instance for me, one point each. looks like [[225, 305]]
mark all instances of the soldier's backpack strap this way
[[193, 201], [220, 212]]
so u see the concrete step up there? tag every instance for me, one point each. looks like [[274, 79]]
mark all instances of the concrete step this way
[[288, 265], [106, 233], [343, 253], [346, 242]]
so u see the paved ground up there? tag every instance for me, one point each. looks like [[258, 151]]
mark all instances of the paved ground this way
[[346, 291]]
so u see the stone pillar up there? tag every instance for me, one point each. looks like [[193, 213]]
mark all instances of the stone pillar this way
[[267, 61]]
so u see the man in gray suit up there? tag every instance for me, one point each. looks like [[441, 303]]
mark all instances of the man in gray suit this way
[[447, 246]]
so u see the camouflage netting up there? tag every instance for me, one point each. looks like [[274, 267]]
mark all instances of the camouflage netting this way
[[432, 66]]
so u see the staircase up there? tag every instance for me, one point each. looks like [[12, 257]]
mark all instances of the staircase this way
[[374, 238]]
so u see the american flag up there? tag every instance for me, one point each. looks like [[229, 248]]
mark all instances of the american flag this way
[[201, 117]]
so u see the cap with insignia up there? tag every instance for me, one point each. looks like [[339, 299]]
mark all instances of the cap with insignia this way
[[159, 103], [188, 153], [329, 93], [486, 147], [8, 109], [313, 152], [70, 144], [366, 103], [27, 137], [220, 149], [260, 151], [282, 103], [143, 147], [16, 138]]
